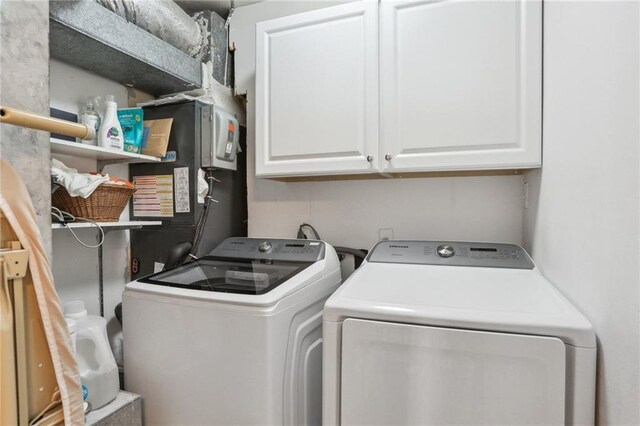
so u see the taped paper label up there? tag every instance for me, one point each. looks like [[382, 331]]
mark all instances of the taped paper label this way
[[170, 157], [153, 196], [181, 179]]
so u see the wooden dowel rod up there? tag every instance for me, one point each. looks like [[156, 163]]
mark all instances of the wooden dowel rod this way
[[41, 122]]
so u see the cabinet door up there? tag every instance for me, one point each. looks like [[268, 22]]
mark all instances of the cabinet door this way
[[461, 84], [317, 92]]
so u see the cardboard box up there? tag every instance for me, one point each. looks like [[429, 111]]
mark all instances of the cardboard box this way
[[156, 137]]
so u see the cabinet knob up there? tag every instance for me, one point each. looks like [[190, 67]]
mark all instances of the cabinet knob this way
[[388, 157], [370, 158]]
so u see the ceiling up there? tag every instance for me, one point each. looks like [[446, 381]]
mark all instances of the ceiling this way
[[221, 7]]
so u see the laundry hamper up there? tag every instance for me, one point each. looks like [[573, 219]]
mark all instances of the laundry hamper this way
[[104, 205]]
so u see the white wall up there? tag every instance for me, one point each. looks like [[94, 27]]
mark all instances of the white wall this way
[[350, 212], [75, 268], [582, 221]]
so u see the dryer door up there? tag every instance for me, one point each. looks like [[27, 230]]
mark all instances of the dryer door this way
[[407, 374]]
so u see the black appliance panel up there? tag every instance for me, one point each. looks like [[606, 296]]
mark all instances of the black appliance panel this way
[[185, 141], [225, 219]]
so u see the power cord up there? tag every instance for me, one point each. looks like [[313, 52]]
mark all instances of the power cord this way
[[358, 255], [202, 220], [64, 218], [302, 235]]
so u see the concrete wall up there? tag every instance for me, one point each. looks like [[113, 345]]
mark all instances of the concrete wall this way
[[582, 221], [24, 67], [351, 212]]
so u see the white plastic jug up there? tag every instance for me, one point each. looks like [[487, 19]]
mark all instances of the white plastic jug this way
[[98, 369], [72, 328]]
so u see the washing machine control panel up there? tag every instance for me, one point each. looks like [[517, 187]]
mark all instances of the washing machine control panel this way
[[451, 253], [271, 249]]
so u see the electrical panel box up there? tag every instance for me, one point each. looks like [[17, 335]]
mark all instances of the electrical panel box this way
[[220, 136]]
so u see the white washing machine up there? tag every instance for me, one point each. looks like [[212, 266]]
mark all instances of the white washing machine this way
[[232, 338], [459, 333]]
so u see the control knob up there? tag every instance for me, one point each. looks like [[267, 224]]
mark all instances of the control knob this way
[[445, 250], [264, 246]]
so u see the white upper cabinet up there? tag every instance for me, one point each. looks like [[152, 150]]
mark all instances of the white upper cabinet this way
[[317, 92], [400, 86], [460, 84]]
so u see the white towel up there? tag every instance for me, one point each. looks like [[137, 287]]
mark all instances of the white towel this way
[[76, 184], [203, 187]]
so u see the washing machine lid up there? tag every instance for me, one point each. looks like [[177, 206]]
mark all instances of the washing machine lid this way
[[251, 266], [501, 299], [228, 275]]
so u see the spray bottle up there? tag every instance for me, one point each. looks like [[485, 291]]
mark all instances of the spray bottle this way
[[90, 117]]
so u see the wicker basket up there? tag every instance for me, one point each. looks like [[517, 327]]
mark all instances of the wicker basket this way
[[104, 205]]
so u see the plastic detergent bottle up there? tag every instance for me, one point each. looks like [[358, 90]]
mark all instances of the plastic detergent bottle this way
[[98, 369], [110, 133]]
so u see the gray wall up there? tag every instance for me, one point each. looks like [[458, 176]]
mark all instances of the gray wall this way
[[24, 67], [582, 222]]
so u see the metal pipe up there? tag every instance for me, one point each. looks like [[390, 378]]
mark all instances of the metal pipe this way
[[41, 122], [100, 278]]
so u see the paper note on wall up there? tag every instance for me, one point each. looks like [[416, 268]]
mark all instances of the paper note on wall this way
[[153, 196], [181, 179]]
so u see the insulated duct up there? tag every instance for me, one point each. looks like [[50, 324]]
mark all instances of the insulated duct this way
[[164, 19]]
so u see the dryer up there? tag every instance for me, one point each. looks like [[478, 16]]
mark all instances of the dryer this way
[[232, 338], [431, 332]]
